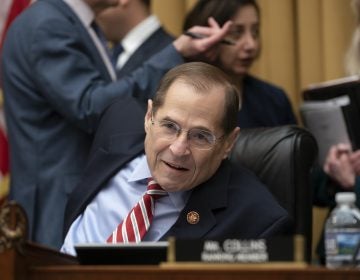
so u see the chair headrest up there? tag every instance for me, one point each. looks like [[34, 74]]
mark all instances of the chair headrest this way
[[279, 156]]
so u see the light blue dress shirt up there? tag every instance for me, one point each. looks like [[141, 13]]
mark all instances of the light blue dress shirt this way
[[114, 202]]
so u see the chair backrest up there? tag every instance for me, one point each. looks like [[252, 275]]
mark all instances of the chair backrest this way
[[282, 157]]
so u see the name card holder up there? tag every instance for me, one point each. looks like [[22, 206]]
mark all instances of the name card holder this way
[[281, 249]]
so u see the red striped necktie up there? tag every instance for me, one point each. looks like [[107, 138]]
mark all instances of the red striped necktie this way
[[135, 225]]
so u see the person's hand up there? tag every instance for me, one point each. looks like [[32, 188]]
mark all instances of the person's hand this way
[[355, 161], [205, 48], [339, 166]]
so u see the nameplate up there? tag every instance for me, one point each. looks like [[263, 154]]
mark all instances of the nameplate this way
[[276, 249]]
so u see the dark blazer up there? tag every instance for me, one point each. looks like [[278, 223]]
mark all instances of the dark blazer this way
[[233, 203], [55, 88], [155, 43], [264, 105]]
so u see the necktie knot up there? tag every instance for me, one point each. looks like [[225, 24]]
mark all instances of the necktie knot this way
[[154, 189]]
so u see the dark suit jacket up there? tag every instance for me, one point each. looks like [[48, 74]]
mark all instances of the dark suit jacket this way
[[264, 105], [55, 88], [233, 203], [155, 43]]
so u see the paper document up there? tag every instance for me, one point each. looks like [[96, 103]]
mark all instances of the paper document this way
[[325, 120]]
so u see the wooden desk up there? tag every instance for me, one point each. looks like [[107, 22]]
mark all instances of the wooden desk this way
[[33, 262], [21, 260], [198, 272]]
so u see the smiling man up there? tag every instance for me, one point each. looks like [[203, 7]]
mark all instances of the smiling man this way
[[58, 79], [189, 130]]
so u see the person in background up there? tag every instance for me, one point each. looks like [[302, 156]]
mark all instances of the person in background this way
[[343, 165], [341, 170], [57, 80], [340, 173], [262, 104], [182, 144], [134, 33]]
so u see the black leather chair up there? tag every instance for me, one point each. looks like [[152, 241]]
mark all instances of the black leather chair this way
[[282, 157]]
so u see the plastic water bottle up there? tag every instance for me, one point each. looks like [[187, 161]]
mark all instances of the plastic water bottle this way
[[342, 233]]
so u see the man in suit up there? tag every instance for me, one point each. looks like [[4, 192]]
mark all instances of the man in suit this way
[[134, 32], [57, 80], [190, 128]]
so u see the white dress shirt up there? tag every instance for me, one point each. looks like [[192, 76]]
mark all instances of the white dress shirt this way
[[136, 37]]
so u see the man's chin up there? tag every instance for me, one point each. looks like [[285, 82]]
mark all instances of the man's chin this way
[[171, 186]]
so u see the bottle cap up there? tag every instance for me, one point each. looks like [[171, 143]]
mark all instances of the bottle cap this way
[[343, 197]]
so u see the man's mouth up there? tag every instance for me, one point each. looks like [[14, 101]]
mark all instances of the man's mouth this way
[[175, 166]]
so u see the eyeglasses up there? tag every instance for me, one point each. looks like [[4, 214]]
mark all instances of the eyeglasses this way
[[198, 138]]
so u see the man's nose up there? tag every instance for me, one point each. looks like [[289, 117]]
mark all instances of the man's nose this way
[[181, 145]]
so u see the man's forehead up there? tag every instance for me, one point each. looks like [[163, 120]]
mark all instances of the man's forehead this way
[[183, 99], [202, 88]]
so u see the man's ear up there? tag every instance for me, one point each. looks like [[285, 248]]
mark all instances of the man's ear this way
[[230, 141], [148, 116]]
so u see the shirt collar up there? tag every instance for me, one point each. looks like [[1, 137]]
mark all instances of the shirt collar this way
[[140, 33], [82, 10], [142, 172]]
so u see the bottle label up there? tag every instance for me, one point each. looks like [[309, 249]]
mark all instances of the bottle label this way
[[343, 245]]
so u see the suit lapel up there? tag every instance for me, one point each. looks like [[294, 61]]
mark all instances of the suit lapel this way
[[203, 201], [88, 43], [155, 43], [103, 165]]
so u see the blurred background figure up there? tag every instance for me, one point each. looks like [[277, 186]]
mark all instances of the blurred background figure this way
[[340, 173], [341, 169], [262, 103], [343, 166], [134, 32]]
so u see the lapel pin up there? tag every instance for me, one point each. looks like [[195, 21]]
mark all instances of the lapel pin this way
[[193, 217]]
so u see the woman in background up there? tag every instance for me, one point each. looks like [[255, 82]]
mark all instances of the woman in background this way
[[262, 104]]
